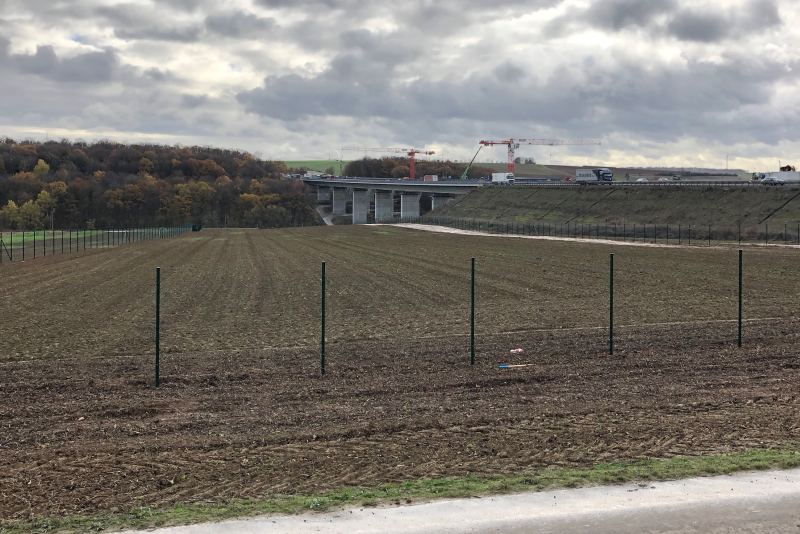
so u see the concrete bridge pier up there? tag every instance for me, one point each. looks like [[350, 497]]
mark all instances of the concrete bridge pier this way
[[339, 200], [384, 205], [438, 201], [409, 204], [360, 206], [324, 193]]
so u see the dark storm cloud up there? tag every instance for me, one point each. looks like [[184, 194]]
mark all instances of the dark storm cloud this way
[[185, 35], [509, 73], [189, 6], [92, 67], [193, 101], [385, 48], [706, 26], [618, 14], [761, 14], [687, 21], [240, 24], [630, 98], [713, 24]]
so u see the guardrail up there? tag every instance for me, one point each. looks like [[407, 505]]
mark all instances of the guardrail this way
[[675, 183]]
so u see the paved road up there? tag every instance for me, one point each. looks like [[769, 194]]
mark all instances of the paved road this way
[[753, 503], [327, 218]]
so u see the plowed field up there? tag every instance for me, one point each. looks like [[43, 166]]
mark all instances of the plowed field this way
[[244, 412]]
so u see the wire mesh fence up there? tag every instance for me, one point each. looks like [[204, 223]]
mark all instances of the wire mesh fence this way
[[670, 234], [28, 245]]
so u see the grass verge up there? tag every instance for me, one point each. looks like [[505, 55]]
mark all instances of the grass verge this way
[[546, 478]]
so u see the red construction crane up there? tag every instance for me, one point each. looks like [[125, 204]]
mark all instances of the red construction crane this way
[[410, 152], [513, 144]]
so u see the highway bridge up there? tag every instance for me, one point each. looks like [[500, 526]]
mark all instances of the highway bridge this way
[[364, 192]]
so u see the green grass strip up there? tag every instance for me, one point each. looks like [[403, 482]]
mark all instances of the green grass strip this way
[[547, 478]]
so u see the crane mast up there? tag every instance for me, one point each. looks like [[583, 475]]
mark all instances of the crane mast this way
[[514, 144]]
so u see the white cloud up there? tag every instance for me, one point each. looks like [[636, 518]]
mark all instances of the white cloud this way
[[673, 81]]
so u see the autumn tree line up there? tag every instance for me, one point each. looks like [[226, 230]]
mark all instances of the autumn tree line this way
[[398, 167], [63, 184]]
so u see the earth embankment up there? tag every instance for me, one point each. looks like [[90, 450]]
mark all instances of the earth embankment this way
[[696, 205]]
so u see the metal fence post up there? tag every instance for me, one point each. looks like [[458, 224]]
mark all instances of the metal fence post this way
[[611, 307], [472, 318], [740, 297], [322, 345], [158, 326]]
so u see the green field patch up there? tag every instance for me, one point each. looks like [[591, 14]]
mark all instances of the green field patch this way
[[319, 165]]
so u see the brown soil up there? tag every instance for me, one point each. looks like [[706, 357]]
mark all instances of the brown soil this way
[[243, 410]]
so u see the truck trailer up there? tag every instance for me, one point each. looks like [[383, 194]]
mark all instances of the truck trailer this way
[[593, 175]]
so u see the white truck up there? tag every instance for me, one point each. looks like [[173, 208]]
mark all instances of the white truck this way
[[593, 175], [504, 178]]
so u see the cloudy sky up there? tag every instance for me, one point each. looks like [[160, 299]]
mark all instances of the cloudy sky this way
[[659, 82]]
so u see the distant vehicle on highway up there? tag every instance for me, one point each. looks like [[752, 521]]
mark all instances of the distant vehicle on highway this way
[[780, 178], [593, 175], [643, 179], [502, 178]]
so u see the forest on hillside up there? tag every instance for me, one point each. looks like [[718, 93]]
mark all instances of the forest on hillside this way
[[398, 167], [64, 184]]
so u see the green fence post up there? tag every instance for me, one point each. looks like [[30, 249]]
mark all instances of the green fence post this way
[[709, 235], [62, 241], [611, 308], [766, 235], [322, 344], [23, 245], [740, 234], [158, 326], [740, 297], [11, 255], [472, 318]]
